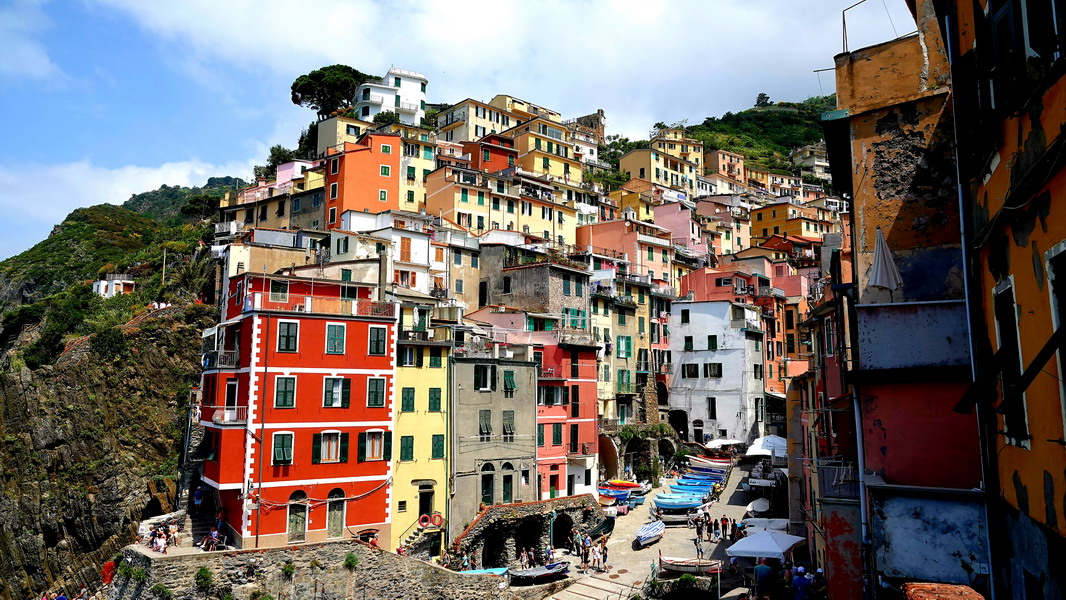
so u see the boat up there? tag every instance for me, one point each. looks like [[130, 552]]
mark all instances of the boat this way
[[606, 500], [540, 574], [702, 477], [701, 474], [622, 484], [680, 502], [498, 571], [650, 533], [707, 460], [689, 565], [637, 500], [703, 469], [675, 489], [617, 494], [701, 484]]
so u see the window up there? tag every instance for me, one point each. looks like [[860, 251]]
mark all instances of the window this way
[[435, 358], [621, 317], [335, 338], [333, 215], [688, 343], [288, 331], [383, 195], [690, 371], [557, 434], [1015, 421], [407, 402], [757, 371], [284, 392], [712, 370], [684, 315], [386, 149], [508, 425], [485, 425], [334, 167], [377, 341], [712, 342], [566, 285], [474, 257], [575, 402], [407, 447], [506, 285], [411, 356], [346, 275], [337, 392], [375, 445], [282, 446], [509, 386], [651, 253], [434, 399], [457, 258], [484, 377], [640, 325], [712, 408], [333, 192], [438, 446], [329, 447], [540, 434], [459, 286], [279, 291], [375, 392]]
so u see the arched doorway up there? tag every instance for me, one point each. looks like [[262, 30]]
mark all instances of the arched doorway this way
[[488, 484], [679, 421], [507, 475], [637, 460], [297, 530], [335, 514], [667, 452], [561, 527], [608, 458], [494, 550], [697, 431], [530, 534], [662, 392]]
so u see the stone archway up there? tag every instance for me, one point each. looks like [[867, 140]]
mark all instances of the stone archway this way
[[608, 458], [637, 460], [494, 551], [667, 450], [679, 421], [530, 534], [560, 534]]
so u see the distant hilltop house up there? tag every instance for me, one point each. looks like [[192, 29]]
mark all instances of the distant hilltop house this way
[[115, 284]]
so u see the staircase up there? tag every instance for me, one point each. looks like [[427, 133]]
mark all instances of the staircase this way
[[596, 587], [199, 525]]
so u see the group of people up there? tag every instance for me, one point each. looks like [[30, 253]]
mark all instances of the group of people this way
[[715, 530], [162, 535], [593, 554], [82, 595], [788, 583]]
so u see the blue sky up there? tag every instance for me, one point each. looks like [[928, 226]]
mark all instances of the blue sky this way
[[102, 99]]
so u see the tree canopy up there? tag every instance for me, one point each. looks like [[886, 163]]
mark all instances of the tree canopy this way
[[386, 117], [279, 155], [328, 89]]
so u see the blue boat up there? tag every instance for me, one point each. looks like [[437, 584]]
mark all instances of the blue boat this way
[[688, 490], [698, 477], [683, 502], [650, 533], [499, 571], [702, 474], [705, 469], [617, 494], [695, 483]]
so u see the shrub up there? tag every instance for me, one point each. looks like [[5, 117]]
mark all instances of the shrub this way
[[124, 569], [687, 580], [162, 592], [287, 570], [109, 343], [139, 575], [204, 579], [351, 561]]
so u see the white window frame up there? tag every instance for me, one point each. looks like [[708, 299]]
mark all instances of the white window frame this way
[[1053, 252], [322, 446], [333, 187], [368, 338], [338, 403], [277, 336], [384, 392], [386, 149], [381, 451], [1002, 287], [283, 376], [385, 171], [344, 338], [383, 195], [273, 444]]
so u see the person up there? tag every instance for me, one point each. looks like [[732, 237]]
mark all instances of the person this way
[[733, 530], [596, 558], [210, 540], [786, 580], [734, 568], [699, 549], [197, 499], [819, 587], [603, 554], [585, 559], [220, 518], [801, 586], [172, 539], [473, 562], [549, 554], [575, 541], [763, 577], [699, 527], [466, 562], [373, 540], [523, 562], [725, 526], [61, 596], [716, 531]]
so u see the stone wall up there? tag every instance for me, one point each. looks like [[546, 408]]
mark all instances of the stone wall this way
[[319, 573], [497, 535]]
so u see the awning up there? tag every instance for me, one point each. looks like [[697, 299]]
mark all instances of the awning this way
[[765, 544], [716, 444], [771, 445]]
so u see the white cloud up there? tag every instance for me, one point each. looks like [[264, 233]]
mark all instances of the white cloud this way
[[21, 54], [641, 61], [32, 209]]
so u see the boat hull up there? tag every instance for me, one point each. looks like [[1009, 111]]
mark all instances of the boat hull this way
[[690, 565]]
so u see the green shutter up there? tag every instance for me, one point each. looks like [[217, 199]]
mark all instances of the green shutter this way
[[575, 402], [408, 400], [344, 448], [362, 447], [566, 396], [386, 446], [407, 447], [434, 399], [346, 392], [492, 375], [508, 380], [540, 434], [557, 434], [438, 446], [316, 448]]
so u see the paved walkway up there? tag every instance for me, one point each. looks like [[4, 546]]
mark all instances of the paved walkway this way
[[630, 565]]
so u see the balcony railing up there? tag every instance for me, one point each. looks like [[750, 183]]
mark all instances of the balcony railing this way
[[837, 481], [372, 99], [221, 359], [643, 366], [318, 305], [407, 107], [567, 369], [225, 415], [609, 424], [582, 449], [626, 387]]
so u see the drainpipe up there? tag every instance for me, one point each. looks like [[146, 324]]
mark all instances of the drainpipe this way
[[986, 424], [448, 462], [863, 516]]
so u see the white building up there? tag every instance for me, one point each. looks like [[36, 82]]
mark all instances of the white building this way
[[114, 285], [716, 389], [400, 91], [410, 250]]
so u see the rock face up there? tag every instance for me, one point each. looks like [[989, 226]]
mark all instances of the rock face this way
[[88, 447]]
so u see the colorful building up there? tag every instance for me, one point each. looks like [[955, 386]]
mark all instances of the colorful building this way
[[363, 177], [400, 91], [471, 120]]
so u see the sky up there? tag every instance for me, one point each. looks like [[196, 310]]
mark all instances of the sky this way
[[101, 99]]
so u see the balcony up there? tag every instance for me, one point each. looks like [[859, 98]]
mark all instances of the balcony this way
[[567, 369], [227, 228], [291, 303], [627, 300], [582, 449], [666, 368], [221, 359], [407, 107], [745, 324], [664, 290], [372, 99], [837, 481], [433, 335], [225, 415], [653, 240], [626, 387]]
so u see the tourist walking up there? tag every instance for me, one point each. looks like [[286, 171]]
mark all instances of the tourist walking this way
[[801, 586], [716, 531], [596, 558], [603, 554], [699, 526], [699, 548], [584, 559]]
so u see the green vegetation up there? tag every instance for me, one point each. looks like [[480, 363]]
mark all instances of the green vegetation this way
[[387, 117], [328, 88], [278, 155], [124, 569], [351, 561], [161, 591], [204, 579], [687, 580], [167, 203], [287, 570], [139, 575]]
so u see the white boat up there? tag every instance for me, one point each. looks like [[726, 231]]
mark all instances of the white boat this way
[[690, 565], [650, 533], [710, 462]]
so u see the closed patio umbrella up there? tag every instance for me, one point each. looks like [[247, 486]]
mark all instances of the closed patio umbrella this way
[[883, 273]]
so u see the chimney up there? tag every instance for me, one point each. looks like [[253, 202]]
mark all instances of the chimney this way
[[383, 270]]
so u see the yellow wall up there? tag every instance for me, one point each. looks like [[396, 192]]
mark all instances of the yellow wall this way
[[660, 168]]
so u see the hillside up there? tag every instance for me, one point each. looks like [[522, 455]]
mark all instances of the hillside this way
[[165, 203]]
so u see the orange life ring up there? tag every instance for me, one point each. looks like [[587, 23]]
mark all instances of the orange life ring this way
[[423, 521], [437, 520]]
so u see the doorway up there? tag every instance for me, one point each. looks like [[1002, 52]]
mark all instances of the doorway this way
[[425, 500], [561, 528], [570, 485], [508, 483], [231, 400], [488, 485], [335, 514], [482, 294], [297, 530]]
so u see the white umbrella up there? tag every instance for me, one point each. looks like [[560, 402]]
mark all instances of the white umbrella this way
[[883, 273], [765, 544], [759, 505], [768, 446], [716, 444]]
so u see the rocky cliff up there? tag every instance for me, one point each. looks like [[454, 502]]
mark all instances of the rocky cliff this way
[[88, 447]]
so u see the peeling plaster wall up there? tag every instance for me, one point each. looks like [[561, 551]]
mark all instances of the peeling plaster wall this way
[[927, 539], [842, 548]]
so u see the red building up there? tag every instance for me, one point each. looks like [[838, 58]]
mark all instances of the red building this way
[[299, 452], [492, 153]]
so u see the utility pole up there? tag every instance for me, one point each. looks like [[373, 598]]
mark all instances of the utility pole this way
[[164, 266]]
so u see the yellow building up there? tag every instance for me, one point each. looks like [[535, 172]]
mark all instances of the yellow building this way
[[637, 195], [757, 179], [525, 110], [788, 219], [417, 161], [673, 142], [544, 148], [420, 458], [470, 120], [660, 168], [479, 202], [335, 131]]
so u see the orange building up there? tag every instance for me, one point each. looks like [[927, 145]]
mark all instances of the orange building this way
[[785, 218], [364, 176]]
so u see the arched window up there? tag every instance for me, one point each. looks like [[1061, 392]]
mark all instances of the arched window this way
[[488, 484], [697, 431], [335, 513], [507, 467]]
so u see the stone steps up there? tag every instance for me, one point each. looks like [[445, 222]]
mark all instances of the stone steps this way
[[594, 588]]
